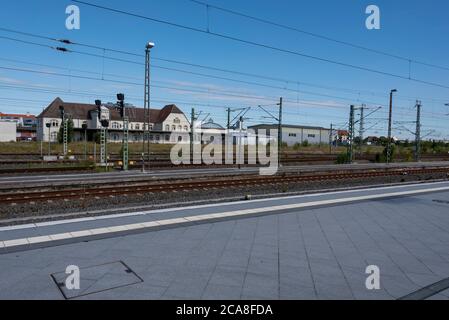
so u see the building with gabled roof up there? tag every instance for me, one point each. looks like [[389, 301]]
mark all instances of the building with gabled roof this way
[[163, 122]]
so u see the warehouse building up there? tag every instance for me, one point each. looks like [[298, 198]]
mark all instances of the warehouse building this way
[[292, 134]]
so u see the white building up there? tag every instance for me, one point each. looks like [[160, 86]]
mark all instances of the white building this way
[[212, 132], [167, 125], [8, 131], [296, 134]]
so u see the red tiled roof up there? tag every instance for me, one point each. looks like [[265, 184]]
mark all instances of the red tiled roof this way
[[28, 116]]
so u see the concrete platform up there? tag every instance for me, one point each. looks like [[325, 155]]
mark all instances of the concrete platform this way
[[302, 247]]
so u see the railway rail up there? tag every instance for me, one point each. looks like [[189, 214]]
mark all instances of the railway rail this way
[[143, 188]]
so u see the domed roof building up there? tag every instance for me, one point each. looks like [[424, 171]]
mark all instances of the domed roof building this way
[[211, 125]]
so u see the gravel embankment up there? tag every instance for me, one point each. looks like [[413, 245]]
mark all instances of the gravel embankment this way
[[32, 212]]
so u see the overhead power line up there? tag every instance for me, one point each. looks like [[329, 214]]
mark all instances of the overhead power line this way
[[319, 36], [132, 83], [253, 75], [186, 72], [207, 91], [263, 45]]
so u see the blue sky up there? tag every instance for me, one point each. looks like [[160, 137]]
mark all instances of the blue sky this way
[[414, 29]]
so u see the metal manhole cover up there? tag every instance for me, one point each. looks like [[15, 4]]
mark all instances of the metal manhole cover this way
[[98, 279]]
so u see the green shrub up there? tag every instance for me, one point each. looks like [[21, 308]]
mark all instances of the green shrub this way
[[342, 158]]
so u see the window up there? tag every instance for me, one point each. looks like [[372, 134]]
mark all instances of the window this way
[[186, 128], [114, 125], [311, 136], [176, 120], [151, 127], [53, 136], [54, 123], [151, 137], [292, 134], [137, 126], [158, 138], [180, 128], [167, 137], [167, 127], [173, 128], [180, 138]]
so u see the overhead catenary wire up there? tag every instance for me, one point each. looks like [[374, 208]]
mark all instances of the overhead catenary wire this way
[[103, 49], [262, 45], [320, 36], [221, 92]]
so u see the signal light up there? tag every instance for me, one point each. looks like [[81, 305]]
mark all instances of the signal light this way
[[98, 104], [121, 104], [61, 110], [105, 123]]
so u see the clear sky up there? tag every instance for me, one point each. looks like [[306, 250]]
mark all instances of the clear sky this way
[[413, 29]]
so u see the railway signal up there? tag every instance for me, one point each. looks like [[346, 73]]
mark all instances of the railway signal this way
[[84, 126], [98, 104], [103, 134], [48, 125], [125, 140]]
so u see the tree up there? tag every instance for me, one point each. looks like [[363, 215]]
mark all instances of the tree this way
[[70, 126]]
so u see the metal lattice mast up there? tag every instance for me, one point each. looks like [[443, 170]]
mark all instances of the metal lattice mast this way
[[125, 143], [280, 132], [418, 132], [331, 138], [351, 135], [103, 145], [65, 135], [146, 131], [192, 133], [147, 108], [390, 116], [361, 127]]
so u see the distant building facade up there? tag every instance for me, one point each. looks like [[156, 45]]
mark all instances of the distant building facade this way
[[167, 125], [26, 125], [22, 120], [292, 134], [8, 131]]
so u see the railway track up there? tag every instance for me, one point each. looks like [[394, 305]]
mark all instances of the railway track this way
[[195, 185]]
